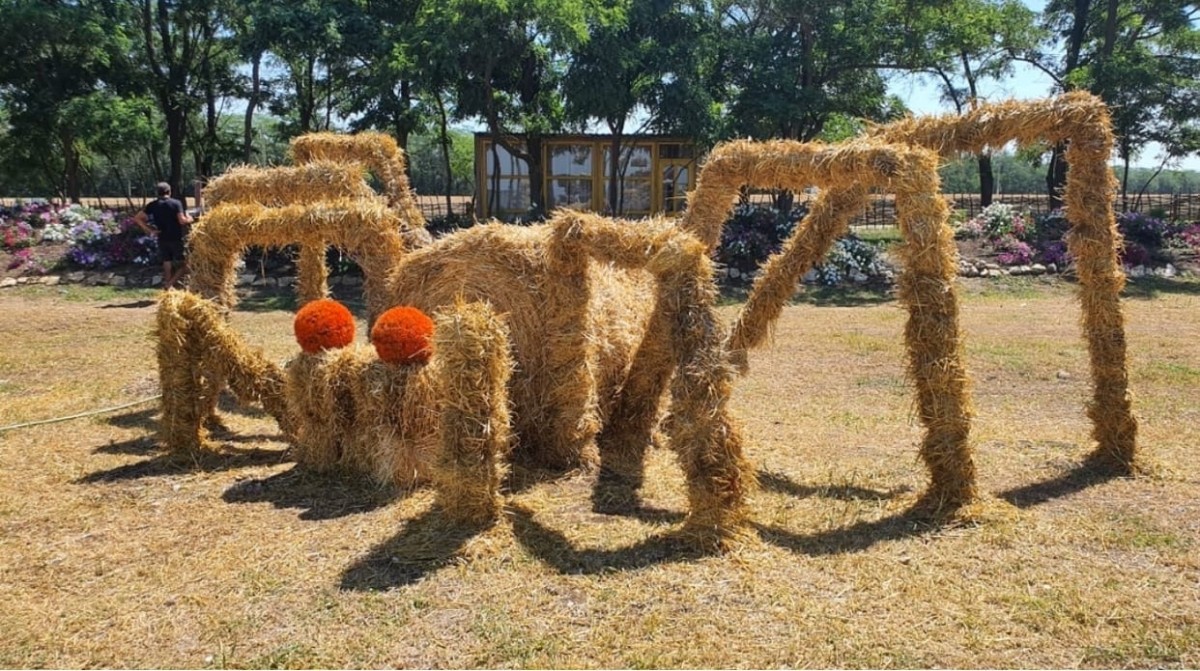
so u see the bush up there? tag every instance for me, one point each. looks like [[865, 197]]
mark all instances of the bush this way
[[97, 239], [17, 234], [445, 224], [997, 221], [1147, 231], [852, 260], [754, 233]]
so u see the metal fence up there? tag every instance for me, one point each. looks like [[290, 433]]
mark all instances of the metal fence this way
[[433, 207], [881, 213]]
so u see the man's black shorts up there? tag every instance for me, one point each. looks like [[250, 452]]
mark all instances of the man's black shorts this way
[[170, 250]]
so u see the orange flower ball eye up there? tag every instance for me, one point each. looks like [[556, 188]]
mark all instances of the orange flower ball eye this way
[[323, 324], [403, 335]]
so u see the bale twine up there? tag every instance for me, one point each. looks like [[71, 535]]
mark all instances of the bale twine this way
[[378, 152]]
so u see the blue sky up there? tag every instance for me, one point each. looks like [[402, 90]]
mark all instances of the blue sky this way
[[922, 97]]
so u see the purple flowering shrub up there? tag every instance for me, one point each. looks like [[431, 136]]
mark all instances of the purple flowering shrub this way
[[754, 233], [108, 242], [96, 239], [1143, 229]]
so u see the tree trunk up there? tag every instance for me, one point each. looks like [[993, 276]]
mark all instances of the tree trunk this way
[[251, 104], [987, 180], [445, 142], [537, 175], [72, 187], [1056, 176], [1125, 180], [176, 129]]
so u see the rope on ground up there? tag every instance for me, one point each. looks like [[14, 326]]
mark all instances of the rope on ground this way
[[101, 411]]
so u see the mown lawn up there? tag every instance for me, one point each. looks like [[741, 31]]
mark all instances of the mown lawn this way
[[112, 553]]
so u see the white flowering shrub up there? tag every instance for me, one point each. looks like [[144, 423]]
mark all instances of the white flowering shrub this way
[[852, 260]]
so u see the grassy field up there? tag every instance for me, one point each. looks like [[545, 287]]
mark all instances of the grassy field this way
[[114, 554]]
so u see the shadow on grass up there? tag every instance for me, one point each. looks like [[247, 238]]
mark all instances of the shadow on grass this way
[[145, 303], [174, 464], [554, 549], [1073, 481], [268, 299], [857, 537], [319, 496], [136, 419], [427, 543], [136, 446], [1145, 288], [781, 484]]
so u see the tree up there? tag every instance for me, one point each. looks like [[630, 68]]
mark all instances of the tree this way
[[643, 55], [61, 61], [178, 42], [510, 59], [962, 43], [306, 38], [792, 66], [1123, 51]]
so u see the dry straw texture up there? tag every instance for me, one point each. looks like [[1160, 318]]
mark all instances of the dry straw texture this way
[[367, 230], [378, 152], [1082, 120], [845, 172], [289, 185], [472, 372], [577, 294], [197, 354]]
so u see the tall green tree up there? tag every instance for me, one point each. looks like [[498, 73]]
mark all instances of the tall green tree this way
[[178, 46], [792, 66], [655, 57], [964, 43], [511, 56], [1131, 53], [62, 62]]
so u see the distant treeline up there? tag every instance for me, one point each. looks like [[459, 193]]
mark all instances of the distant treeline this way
[[1019, 174]]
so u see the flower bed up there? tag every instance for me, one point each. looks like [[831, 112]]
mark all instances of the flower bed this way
[[38, 237]]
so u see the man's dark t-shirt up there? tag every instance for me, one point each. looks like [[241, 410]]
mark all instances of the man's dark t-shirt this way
[[164, 213]]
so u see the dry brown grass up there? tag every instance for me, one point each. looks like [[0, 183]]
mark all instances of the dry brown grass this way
[[113, 553]]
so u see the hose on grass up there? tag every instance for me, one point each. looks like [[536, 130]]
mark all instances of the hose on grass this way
[[101, 411]]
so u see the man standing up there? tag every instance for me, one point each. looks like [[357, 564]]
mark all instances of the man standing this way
[[169, 221]]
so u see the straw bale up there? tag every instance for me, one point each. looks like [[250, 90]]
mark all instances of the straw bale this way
[[845, 173], [379, 153], [576, 294], [321, 407], [289, 185], [932, 334], [396, 427], [1081, 120], [567, 358], [472, 373], [198, 353], [368, 231], [784, 164]]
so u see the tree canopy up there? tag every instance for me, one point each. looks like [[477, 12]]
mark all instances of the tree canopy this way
[[96, 93]]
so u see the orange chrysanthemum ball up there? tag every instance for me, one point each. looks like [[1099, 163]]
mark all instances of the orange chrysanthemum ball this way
[[403, 335], [323, 324]]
